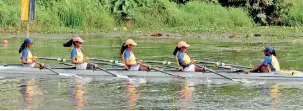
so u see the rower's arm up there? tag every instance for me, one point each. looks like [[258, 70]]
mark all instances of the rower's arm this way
[[255, 69], [265, 62], [24, 57], [126, 56], [182, 63], [76, 62], [129, 64]]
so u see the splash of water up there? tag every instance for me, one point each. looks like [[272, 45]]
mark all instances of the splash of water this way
[[136, 82]]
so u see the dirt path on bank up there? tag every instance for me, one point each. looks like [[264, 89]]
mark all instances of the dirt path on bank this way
[[148, 35]]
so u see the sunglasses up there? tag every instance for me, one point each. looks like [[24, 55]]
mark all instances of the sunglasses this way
[[184, 47]]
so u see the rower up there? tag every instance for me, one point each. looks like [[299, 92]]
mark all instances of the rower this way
[[183, 60], [129, 58], [270, 63], [27, 59], [77, 57]]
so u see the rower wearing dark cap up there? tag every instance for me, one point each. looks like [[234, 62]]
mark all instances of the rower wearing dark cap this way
[[270, 63]]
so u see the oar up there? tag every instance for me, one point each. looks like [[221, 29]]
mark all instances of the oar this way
[[111, 73], [48, 68], [62, 74], [174, 75], [210, 70], [165, 62], [233, 70], [61, 59], [106, 60], [218, 63], [115, 64], [51, 58], [141, 80], [66, 64]]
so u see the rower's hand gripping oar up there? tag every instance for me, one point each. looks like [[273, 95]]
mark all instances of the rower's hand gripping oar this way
[[43, 66]]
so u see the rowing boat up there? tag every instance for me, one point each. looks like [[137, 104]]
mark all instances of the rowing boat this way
[[254, 76]]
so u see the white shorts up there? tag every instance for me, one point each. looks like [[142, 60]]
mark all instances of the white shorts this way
[[135, 68], [190, 68], [32, 65], [82, 66]]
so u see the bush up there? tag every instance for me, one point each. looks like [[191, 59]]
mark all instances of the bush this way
[[295, 15], [269, 12], [9, 15], [191, 14]]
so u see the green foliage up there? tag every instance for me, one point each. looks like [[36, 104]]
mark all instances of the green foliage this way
[[9, 15], [59, 15], [269, 12], [104, 15], [194, 14], [295, 15]]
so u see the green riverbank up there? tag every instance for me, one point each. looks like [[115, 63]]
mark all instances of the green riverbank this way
[[75, 16]]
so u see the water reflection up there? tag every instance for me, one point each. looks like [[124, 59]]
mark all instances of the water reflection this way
[[77, 93], [132, 97], [186, 95], [28, 90], [275, 96]]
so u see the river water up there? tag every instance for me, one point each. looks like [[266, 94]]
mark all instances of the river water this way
[[21, 91]]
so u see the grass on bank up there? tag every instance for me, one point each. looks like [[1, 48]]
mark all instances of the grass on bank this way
[[74, 16], [92, 16]]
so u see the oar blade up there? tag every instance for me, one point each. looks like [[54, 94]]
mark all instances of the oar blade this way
[[122, 76], [241, 81]]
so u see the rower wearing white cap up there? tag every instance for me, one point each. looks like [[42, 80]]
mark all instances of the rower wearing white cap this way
[[183, 60], [77, 56], [129, 58]]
